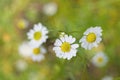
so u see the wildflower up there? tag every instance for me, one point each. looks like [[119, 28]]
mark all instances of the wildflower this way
[[21, 65], [34, 76], [50, 9], [100, 59], [64, 47], [107, 78], [91, 38], [37, 53], [22, 23], [6, 37], [25, 49], [38, 34]]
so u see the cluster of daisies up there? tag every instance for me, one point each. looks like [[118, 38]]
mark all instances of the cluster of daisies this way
[[65, 46], [37, 36]]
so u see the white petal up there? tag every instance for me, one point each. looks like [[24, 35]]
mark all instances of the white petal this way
[[73, 52], [59, 55], [35, 28], [74, 46], [44, 32], [95, 44], [70, 37], [84, 45], [43, 50], [66, 38], [62, 39], [58, 42], [82, 39], [56, 48], [90, 47], [98, 40], [72, 40], [30, 35], [33, 42]]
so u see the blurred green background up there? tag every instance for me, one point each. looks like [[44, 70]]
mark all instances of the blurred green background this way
[[71, 15]]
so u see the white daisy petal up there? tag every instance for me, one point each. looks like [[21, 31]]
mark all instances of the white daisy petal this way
[[40, 24], [70, 37], [58, 42], [90, 46], [43, 50], [59, 55], [34, 43], [30, 36], [62, 39], [74, 46], [73, 40], [56, 48], [36, 27], [95, 44], [98, 39], [82, 39], [66, 38], [73, 51]]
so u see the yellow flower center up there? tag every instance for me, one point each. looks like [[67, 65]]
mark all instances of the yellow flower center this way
[[36, 51], [100, 59], [65, 47], [21, 24], [37, 35], [91, 37]]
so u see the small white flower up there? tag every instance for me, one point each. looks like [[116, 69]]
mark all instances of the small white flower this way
[[64, 47], [38, 34], [33, 76], [100, 59], [91, 38], [21, 65], [37, 53], [50, 9], [25, 49], [107, 78]]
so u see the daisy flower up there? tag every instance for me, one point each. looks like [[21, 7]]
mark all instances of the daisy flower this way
[[64, 47], [38, 34], [37, 53], [50, 9], [34, 76], [107, 78], [21, 65], [24, 49], [100, 59], [91, 38], [22, 24]]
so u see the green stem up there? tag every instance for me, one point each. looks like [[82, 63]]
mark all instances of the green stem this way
[[60, 31]]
